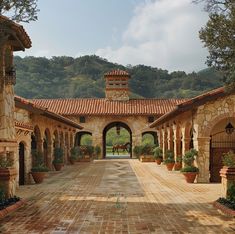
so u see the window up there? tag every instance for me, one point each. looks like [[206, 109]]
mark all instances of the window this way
[[82, 119], [151, 119]]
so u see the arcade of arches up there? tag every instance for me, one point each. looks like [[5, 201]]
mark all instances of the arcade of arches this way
[[200, 124]]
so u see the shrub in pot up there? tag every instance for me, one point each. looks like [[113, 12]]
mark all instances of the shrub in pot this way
[[178, 163], [137, 151], [39, 170], [189, 170], [157, 153], [58, 161], [74, 152], [97, 151], [147, 153], [169, 160]]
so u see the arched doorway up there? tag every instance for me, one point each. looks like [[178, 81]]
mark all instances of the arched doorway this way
[[221, 142], [150, 137], [117, 126], [21, 163], [83, 138]]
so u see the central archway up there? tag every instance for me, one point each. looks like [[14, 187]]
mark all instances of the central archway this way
[[119, 125]]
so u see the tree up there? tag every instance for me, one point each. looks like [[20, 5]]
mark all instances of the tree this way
[[218, 37], [19, 10]]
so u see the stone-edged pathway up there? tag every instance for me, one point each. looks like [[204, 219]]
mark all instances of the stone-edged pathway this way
[[117, 196]]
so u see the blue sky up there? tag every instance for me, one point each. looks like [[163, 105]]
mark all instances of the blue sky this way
[[159, 33]]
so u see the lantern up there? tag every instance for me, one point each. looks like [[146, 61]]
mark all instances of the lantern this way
[[229, 128], [118, 128]]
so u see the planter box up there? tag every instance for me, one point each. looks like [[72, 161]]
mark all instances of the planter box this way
[[147, 158], [11, 208], [224, 209]]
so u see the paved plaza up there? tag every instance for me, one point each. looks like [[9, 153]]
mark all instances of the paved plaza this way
[[117, 196]]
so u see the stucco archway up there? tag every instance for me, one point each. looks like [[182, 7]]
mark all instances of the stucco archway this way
[[111, 125], [79, 136], [153, 134]]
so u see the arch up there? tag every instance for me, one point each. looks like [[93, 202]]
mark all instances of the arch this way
[[21, 163], [220, 143], [111, 125], [154, 134], [79, 136]]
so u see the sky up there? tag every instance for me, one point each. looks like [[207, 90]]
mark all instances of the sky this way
[[158, 33]]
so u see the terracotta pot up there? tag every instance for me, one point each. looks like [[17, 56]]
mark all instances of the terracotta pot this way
[[38, 177], [177, 166], [190, 176], [170, 166], [158, 161], [58, 166], [7, 173]]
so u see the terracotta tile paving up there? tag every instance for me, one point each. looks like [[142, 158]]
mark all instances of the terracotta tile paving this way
[[117, 196]]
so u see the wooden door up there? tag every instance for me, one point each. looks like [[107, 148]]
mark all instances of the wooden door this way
[[21, 163]]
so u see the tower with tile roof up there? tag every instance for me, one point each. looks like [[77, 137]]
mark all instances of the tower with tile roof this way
[[117, 88]]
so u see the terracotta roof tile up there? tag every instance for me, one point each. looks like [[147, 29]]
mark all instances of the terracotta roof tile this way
[[189, 104], [117, 73], [25, 39], [23, 125], [102, 106]]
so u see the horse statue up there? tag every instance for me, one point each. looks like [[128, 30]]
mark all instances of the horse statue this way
[[126, 147]]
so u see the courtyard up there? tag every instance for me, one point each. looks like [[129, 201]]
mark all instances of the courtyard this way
[[117, 196]]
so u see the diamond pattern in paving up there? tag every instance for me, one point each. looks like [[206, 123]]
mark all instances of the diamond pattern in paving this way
[[117, 196]]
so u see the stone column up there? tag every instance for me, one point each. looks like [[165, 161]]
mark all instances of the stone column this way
[[97, 140], [177, 142], [159, 134], [164, 146], [203, 159]]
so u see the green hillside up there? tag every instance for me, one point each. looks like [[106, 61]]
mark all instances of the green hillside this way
[[63, 76]]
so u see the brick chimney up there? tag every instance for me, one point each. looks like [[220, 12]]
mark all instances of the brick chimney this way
[[117, 85]]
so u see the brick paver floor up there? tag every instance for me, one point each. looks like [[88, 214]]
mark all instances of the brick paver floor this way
[[117, 196]]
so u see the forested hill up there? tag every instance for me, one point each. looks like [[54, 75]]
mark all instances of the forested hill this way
[[39, 77]]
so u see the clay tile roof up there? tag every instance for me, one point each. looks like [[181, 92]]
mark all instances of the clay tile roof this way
[[102, 106], [21, 33], [23, 125], [117, 73], [34, 107], [189, 104]]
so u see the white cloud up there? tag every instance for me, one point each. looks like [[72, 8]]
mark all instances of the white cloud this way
[[162, 33]]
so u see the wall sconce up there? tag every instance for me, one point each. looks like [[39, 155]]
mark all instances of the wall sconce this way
[[229, 128]]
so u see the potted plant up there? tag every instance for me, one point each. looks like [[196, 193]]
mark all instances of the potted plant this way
[[7, 174], [73, 155], [58, 161], [178, 163], [147, 153], [85, 153], [38, 171], [97, 151], [189, 170], [137, 151], [158, 155], [169, 160], [227, 172]]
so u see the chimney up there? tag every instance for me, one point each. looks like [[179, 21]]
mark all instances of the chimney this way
[[117, 85]]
